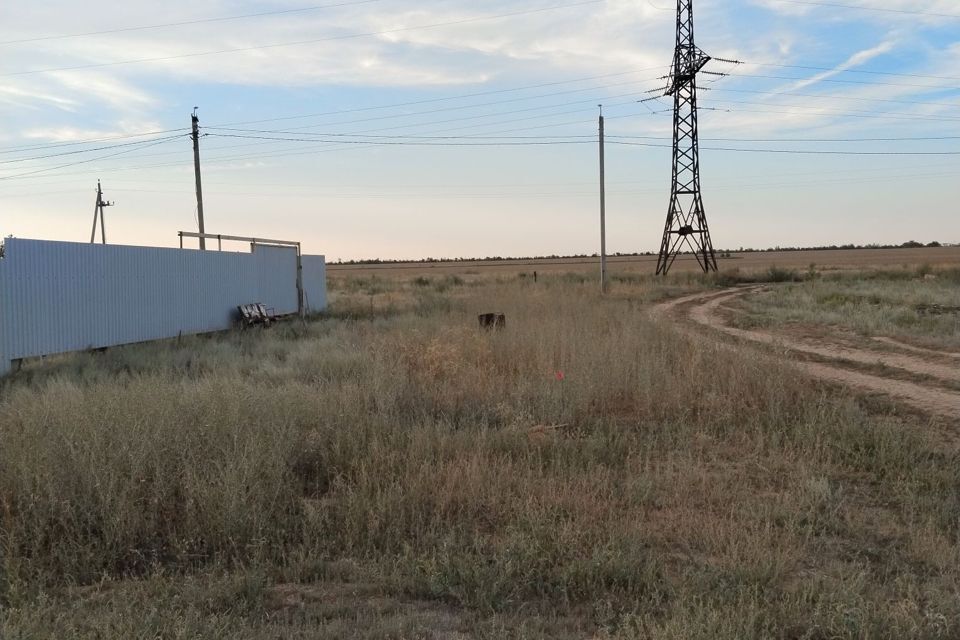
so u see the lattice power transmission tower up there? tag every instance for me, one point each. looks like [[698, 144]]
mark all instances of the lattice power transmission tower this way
[[686, 226]]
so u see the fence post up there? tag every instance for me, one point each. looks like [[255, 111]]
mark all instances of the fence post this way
[[6, 365], [301, 307]]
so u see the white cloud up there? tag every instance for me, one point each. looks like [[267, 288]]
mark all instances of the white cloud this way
[[886, 11], [70, 134], [29, 97], [100, 87], [605, 34], [853, 61]]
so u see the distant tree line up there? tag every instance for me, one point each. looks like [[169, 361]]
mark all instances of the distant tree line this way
[[910, 244]]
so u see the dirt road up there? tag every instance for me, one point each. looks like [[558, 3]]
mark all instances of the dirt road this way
[[836, 362]]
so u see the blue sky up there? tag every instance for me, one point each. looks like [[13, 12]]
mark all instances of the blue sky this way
[[815, 78]]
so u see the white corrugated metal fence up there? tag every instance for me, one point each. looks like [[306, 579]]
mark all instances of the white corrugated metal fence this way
[[64, 296]]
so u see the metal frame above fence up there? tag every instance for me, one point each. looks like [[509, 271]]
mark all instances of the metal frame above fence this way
[[254, 242]]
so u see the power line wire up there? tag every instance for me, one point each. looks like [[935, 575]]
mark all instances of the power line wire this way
[[463, 107], [461, 96], [111, 155], [301, 152], [473, 105], [411, 142], [795, 111], [406, 126], [735, 74], [188, 22], [459, 119], [408, 137], [903, 139], [327, 144], [862, 71], [834, 97], [54, 145], [490, 133], [323, 149], [590, 121], [579, 142], [872, 176], [70, 153], [940, 164], [344, 111], [801, 151], [439, 99], [593, 137], [379, 107], [849, 114], [402, 104]]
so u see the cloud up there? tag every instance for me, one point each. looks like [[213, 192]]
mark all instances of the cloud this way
[[853, 61], [99, 87], [885, 11], [28, 97], [605, 34], [71, 134], [785, 8]]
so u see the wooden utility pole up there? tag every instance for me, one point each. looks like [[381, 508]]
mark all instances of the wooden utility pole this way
[[98, 212], [195, 123], [603, 214]]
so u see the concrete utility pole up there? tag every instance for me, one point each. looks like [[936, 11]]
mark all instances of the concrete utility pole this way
[[603, 214], [195, 122], [98, 212]]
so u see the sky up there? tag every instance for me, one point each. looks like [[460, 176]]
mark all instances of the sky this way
[[447, 128]]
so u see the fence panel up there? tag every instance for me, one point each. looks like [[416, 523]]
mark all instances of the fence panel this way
[[273, 276], [314, 283]]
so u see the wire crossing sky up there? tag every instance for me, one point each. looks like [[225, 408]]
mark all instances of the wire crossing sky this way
[[401, 129]]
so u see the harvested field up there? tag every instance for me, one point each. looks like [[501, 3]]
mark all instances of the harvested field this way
[[389, 470], [750, 262]]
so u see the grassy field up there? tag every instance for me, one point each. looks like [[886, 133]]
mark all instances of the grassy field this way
[[390, 471], [913, 305]]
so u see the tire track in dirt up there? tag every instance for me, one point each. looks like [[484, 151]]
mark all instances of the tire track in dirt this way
[[702, 309], [706, 314], [909, 347]]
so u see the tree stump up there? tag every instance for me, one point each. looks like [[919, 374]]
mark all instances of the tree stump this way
[[490, 321]]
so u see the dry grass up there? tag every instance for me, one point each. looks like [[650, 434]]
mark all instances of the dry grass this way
[[920, 305], [389, 471]]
